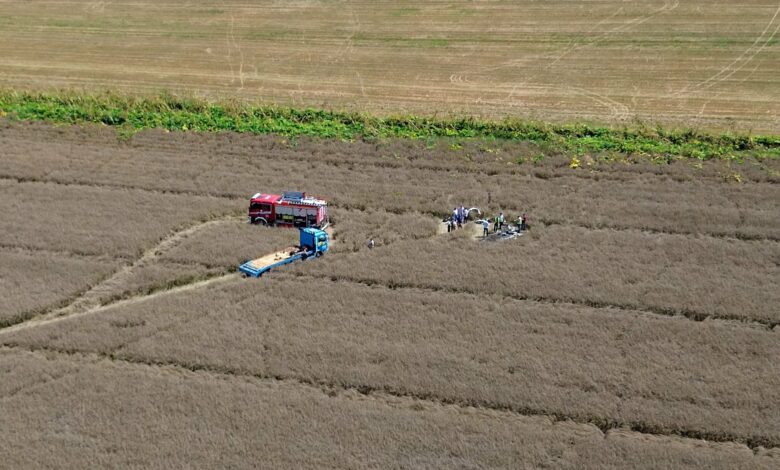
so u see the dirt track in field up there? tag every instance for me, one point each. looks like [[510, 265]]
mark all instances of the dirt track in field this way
[[644, 291], [90, 302], [693, 64]]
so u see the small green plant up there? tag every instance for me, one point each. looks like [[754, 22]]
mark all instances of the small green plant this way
[[165, 111], [125, 133]]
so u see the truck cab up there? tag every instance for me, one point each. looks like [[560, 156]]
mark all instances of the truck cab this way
[[314, 240]]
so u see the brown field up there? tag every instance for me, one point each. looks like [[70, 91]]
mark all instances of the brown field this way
[[36, 279], [634, 325], [458, 348], [698, 63], [213, 409], [627, 268]]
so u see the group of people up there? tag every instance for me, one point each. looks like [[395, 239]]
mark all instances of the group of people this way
[[500, 220], [458, 218]]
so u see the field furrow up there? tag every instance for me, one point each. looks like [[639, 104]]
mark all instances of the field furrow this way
[[633, 324], [602, 366], [671, 275], [237, 406], [96, 220], [31, 283], [641, 201]]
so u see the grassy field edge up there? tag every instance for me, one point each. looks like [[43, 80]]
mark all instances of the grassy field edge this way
[[131, 113]]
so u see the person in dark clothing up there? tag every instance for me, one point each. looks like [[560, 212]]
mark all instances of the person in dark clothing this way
[[524, 222]]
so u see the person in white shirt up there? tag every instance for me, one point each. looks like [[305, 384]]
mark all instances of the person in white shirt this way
[[485, 227]]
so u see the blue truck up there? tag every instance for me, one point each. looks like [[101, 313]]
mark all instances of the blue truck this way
[[313, 243]]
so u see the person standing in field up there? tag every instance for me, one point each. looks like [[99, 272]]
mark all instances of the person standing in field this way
[[485, 227], [523, 222], [501, 221], [370, 243], [455, 215], [495, 224]]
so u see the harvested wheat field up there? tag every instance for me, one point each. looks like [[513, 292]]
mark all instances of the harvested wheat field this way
[[634, 325], [700, 63]]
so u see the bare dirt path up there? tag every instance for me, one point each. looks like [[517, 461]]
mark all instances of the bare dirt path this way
[[91, 301], [70, 312]]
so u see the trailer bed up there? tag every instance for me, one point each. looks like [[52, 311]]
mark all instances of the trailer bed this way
[[273, 258], [314, 243], [258, 267]]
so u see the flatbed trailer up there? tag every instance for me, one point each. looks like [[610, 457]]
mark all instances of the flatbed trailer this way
[[313, 243]]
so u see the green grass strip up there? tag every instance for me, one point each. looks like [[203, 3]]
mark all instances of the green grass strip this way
[[175, 113]]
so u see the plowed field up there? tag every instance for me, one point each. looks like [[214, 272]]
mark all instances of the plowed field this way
[[635, 324]]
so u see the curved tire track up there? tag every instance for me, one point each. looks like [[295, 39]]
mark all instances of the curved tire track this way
[[91, 301]]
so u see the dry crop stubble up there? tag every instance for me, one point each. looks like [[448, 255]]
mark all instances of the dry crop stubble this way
[[31, 282], [95, 220], [237, 166], [158, 275], [667, 274], [706, 379], [665, 375], [234, 153], [685, 63], [230, 243], [305, 421]]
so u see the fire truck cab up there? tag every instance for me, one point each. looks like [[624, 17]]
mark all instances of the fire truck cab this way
[[291, 209]]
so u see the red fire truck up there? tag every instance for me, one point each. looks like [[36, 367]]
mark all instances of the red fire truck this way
[[291, 209]]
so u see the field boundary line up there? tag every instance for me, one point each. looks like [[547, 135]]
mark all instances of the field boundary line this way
[[385, 394], [656, 312]]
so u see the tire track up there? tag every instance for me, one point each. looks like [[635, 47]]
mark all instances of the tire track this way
[[390, 395], [70, 312], [740, 62], [618, 111], [90, 301]]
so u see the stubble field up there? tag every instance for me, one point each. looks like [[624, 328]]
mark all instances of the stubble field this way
[[700, 63], [635, 324]]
